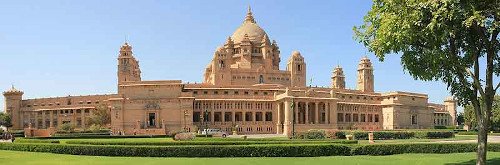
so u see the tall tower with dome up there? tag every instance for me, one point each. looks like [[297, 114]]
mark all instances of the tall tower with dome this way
[[249, 57]]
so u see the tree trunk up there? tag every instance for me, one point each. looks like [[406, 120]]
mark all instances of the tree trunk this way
[[482, 141]]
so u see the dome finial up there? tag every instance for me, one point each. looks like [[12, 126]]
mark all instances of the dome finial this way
[[249, 18]]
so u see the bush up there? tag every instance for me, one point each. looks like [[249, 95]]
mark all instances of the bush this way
[[295, 150], [67, 127], [173, 143], [340, 135], [184, 136], [198, 135], [390, 149], [89, 136], [36, 141], [311, 134], [385, 135], [434, 134]]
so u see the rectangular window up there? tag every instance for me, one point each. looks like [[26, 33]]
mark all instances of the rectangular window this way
[[347, 117], [355, 118], [269, 116], [376, 118], [340, 117], [370, 118], [152, 119], [363, 118], [196, 117], [414, 119]]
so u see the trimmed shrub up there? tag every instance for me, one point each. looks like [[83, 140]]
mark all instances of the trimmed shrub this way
[[311, 134], [184, 136], [434, 134], [173, 143], [86, 136], [340, 135], [386, 135], [198, 135], [36, 141], [187, 151]]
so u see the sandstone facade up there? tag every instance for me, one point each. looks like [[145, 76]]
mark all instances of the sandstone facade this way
[[243, 89]]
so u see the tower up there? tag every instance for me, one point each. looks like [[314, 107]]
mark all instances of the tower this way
[[128, 66], [338, 78], [365, 75], [297, 68], [451, 106], [13, 99]]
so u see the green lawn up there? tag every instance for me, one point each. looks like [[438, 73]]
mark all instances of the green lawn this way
[[16, 157]]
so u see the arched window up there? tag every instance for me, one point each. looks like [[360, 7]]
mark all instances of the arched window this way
[[299, 67], [261, 79]]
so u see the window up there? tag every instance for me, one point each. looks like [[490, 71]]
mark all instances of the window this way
[[236, 92], [347, 117], [355, 118], [269, 116], [299, 67], [205, 92], [370, 118], [195, 92], [376, 118], [413, 119], [226, 92], [340, 117], [152, 119], [196, 117]]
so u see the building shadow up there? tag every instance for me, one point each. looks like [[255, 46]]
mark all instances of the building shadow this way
[[473, 161]]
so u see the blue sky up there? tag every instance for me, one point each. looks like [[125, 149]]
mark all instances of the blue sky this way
[[60, 48]]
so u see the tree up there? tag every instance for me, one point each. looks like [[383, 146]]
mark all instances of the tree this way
[[460, 118], [470, 115], [100, 116], [446, 40], [5, 120]]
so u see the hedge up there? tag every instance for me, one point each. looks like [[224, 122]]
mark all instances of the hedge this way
[[101, 137], [390, 149], [36, 141], [384, 135], [187, 151], [174, 143], [272, 150]]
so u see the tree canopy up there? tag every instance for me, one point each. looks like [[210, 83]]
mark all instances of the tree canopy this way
[[5, 120], [445, 40]]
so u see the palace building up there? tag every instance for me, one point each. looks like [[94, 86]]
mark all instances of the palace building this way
[[243, 89]]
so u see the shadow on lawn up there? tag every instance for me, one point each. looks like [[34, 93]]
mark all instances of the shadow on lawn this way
[[473, 161]]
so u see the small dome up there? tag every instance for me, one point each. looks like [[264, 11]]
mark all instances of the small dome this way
[[249, 27], [296, 54]]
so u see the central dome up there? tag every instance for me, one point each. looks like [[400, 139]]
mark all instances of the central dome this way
[[250, 28]]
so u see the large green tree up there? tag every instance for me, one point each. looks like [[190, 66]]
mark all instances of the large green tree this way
[[454, 41], [100, 116], [5, 120]]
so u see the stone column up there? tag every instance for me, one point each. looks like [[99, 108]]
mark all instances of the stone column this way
[[278, 119], [287, 130], [212, 119], [296, 112], [254, 117], [307, 113], [223, 117], [51, 119], [44, 126], [233, 116], [83, 118], [316, 113], [327, 113]]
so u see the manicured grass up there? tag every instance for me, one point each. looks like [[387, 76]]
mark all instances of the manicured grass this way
[[16, 157]]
